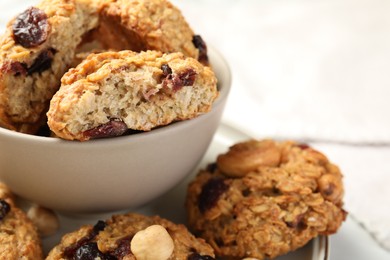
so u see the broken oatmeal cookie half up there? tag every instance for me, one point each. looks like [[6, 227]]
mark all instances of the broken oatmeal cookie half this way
[[113, 92]]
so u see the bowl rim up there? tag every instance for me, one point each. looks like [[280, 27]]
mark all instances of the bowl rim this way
[[220, 101]]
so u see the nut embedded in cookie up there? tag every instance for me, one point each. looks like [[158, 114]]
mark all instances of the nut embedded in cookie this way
[[243, 158]]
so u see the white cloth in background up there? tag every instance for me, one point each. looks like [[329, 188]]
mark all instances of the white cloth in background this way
[[307, 70], [303, 69]]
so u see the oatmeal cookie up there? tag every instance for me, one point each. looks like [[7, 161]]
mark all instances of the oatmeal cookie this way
[[41, 44], [132, 236], [148, 25], [111, 92], [263, 199], [18, 236], [36, 50]]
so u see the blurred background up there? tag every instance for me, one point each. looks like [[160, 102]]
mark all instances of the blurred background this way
[[315, 71]]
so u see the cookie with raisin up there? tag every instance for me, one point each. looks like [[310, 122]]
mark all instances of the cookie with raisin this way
[[36, 50], [132, 236], [264, 198], [110, 93], [148, 25], [18, 236]]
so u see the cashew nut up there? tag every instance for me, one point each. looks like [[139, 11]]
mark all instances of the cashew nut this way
[[245, 157]]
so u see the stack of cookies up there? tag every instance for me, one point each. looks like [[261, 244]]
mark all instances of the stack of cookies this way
[[159, 76]]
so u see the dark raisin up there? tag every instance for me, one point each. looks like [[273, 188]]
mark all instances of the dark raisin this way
[[166, 77], [31, 28], [329, 189], [123, 248], [303, 146], [219, 242], [197, 256], [18, 68], [42, 62], [184, 78], [99, 226], [70, 251], [114, 127], [166, 70], [210, 194], [91, 251], [276, 191], [14, 67], [301, 225], [177, 81], [4, 209], [290, 224], [298, 223], [202, 47], [212, 167], [187, 77], [246, 192]]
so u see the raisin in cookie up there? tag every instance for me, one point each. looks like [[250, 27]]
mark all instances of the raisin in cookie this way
[[263, 199], [148, 25], [18, 236], [36, 50], [132, 236], [109, 93]]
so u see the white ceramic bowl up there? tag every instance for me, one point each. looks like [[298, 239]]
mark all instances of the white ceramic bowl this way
[[109, 174]]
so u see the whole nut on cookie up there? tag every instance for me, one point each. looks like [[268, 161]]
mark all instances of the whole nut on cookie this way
[[152, 243], [243, 158], [44, 219]]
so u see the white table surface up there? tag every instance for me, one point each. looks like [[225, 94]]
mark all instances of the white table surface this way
[[253, 106], [352, 242]]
